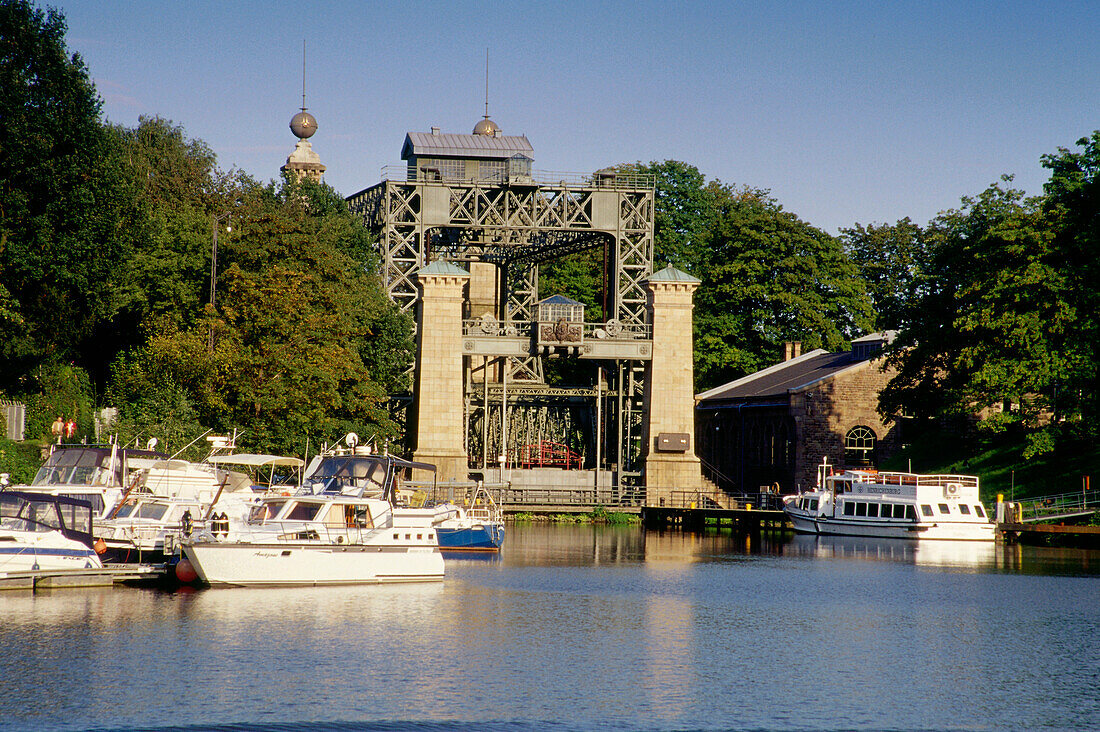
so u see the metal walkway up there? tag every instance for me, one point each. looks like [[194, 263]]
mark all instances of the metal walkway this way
[[1047, 509]]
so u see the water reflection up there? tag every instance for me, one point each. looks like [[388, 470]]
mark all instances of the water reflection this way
[[586, 627], [955, 554]]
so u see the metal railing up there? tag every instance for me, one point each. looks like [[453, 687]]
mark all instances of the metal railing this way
[[520, 328], [508, 495], [550, 178], [1049, 508], [718, 499]]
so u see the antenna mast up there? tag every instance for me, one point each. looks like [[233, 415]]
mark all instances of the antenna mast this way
[[304, 75]]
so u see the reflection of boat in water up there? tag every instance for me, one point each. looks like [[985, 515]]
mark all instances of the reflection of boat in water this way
[[45, 532], [476, 527], [943, 553], [340, 528], [891, 506]]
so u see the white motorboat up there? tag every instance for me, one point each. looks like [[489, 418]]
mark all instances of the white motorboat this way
[[340, 528], [177, 497], [891, 505], [43, 532], [99, 474]]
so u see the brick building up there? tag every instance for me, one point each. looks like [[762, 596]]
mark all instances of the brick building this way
[[775, 426]]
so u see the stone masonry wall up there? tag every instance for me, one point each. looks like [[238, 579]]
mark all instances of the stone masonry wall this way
[[825, 413]]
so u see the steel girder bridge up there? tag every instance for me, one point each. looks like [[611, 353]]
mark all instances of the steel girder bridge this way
[[503, 229]]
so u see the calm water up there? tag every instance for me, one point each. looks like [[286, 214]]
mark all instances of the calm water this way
[[587, 628]]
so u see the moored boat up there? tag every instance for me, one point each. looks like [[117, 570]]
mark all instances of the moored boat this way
[[477, 527], [340, 528], [40, 532], [891, 505]]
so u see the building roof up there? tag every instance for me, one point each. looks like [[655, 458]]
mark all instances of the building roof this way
[[499, 147], [783, 378], [671, 274], [441, 267], [559, 300]]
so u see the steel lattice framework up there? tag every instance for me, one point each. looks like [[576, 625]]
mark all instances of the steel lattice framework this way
[[516, 225]]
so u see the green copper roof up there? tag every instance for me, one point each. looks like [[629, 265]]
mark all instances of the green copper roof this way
[[439, 267], [671, 274]]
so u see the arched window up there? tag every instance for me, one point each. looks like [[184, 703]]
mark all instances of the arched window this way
[[859, 446]]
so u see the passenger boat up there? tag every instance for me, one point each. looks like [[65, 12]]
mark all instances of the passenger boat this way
[[477, 527], [340, 528], [45, 532], [891, 505]]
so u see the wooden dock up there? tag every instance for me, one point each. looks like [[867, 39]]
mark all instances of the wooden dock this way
[[1032, 533], [742, 520], [56, 579]]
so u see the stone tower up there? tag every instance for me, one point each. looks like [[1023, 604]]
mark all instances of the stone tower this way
[[303, 162]]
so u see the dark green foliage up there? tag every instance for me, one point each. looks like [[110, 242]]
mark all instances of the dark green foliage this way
[[20, 460], [891, 259], [996, 325], [769, 277], [60, 199], [302, 341]]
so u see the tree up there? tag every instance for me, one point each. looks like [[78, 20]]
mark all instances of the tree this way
[[683, 211], [59, 197], [890, 258], [769, 277], [1072, 208], [988, 331], [302, 342]]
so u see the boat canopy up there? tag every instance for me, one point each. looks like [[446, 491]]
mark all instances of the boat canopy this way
[[256, 460]]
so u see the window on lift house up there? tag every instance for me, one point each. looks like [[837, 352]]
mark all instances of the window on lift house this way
[[859, 446]]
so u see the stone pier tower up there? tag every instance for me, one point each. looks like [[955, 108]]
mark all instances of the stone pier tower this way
[[671, 464], [439, 385]]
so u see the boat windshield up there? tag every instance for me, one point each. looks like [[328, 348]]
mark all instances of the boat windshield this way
[[337, 473], [20, 515], [265, 511], [154, 511]]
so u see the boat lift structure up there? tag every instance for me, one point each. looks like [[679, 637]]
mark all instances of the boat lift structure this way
[[474, 201]]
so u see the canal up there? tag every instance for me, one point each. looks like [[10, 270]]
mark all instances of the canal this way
[[582, 627]]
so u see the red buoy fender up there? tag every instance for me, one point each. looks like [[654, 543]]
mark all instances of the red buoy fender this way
[[186, 573]]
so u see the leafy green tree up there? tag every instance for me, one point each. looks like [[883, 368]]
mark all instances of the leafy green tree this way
[[986, 334], [683, 211], [1072, 209], [890, 258], [302, 341], [769, 277], [59, 196]]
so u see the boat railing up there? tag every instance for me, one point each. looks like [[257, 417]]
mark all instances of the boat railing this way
[[933, 481]]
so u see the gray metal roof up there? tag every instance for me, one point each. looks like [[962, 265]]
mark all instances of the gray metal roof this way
[[671, 274], [559, 300], [440, 267], [782, 378], [464, 146]]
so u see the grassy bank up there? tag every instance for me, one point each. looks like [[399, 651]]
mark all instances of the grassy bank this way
[[598, 515], [998, 461]]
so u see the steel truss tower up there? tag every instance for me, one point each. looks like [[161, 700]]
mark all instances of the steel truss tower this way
[[514, 223]]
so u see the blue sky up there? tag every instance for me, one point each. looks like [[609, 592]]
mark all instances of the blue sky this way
[[847, 111]]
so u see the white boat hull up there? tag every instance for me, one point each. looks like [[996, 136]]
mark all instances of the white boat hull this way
[[830, 526], [239, 564], [28, 551]]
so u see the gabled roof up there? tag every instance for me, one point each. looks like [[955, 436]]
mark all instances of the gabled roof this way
[[418, 144], [671, 274], [442, 267], [559, 300], [783, 378]]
